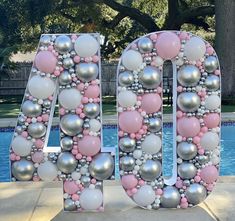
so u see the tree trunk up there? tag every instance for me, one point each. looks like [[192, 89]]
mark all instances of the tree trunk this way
[[225, 45]]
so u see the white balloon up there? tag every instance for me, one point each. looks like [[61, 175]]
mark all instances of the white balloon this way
[[151, 144], [127, 98], [41, 87], [137, 154], [159, 61], [76, 175], [95, 125], [215, 159], [21, 146], [132, 60], [212, 102], [91, 199], [144, 196], [210, 140], [47, 171], [86, 45], [194, 49]]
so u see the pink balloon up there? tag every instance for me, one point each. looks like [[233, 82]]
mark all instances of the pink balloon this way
[[188, 126], [89, 145], [151, 103], [92, 91], [37, 157], [129, 181], [70, 187], [209, 174], [168, 45], [45, 61], [130, 121], [212, 120]]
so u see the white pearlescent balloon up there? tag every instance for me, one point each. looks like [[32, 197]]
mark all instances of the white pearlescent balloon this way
[[194, 49], [47, 171], [86, 45], [212, 102], [76, 175], [41, 87], [70, 98], [91, 199], [21, 146], [95, 125], [210, 140], [144, 196], [215, 159], [151, 144], [132, 60], [158, 61], [127, 98]]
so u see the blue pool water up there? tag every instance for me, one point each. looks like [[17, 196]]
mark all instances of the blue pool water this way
[[227, 166]]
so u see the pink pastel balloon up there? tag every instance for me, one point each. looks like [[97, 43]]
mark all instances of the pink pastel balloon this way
[[45, 61], [209, 174], [130, 121], [212, 120], [92, 91], [89, 145], [188, 126], [70, 187], [37, 157], [129, 181], [151, 103], [168, 45]]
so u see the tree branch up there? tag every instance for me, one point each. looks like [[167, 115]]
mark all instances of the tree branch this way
[[112, 24]]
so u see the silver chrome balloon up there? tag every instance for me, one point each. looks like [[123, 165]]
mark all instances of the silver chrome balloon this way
[[187, 170], [68, 63], [154, 124], [65, 78], [47, 103], [212, 82], [45, 40], [150, 77], [145, 45], [195, 193], [126, 78], [189, 75], [170, 197], [66, 162], [37, 130], [69, 205], [186, 151], [188, 101], [202, 159], [127, 144], [71, 124], [150, 170], [66, 143], [85, 180], [210, 64], [91, 110], [31, 109], [23, 170], [127, 163], [87, 71], [63, 44], [102, 166]]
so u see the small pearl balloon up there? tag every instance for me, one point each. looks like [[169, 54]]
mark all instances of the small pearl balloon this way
[[212, 82], [188, 101], [45, 40], [66, 162], [189, 75], [195, 193], [186, 151], [211, 64], [155, 124], [150, 77], [23, 170], [170, 197], [87, 71], [69, 205], [150, 170], [187, 170], [95, 125], [127, 163], [63, 44], [127, 144], [126, 78], [66, 143], [68, 63], [37, 130], [31, 109], [91, 110], [145, 45], [65, 78]]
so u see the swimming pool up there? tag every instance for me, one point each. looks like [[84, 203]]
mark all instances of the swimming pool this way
[[227, 166]]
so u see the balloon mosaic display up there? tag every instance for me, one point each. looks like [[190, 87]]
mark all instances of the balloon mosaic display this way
[[196, 119], [66, 66]]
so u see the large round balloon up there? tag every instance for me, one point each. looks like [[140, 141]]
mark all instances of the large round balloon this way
[[127, 98], [23, 170], [71, 124], [145, 196], [63, 44], [31, 109], [37, 130], [45, 61], [91, 199], [21, 146], [195, 193], [212, 102], [89, 145], [150, 77], [132, 60], [66, 162], [210, 140], [188, 126], [47, 171], [151, 144], [87, 71], [189, 75], [151, 103], [188, 101], [170, 197]]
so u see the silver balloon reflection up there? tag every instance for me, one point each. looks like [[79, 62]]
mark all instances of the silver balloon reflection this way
[[126, 78], [69, 205], [212, 82], [87, 71], [45, 40], [145, 45], [23, 170], [189, 75], [150, 77], [186, 151], [102, 166], [47, 103], [170, 197], [127, 144], [154, 124], [91, 110], [37, 130], [150, 170], [187, 170], [65, 78], [68, 63], [66, 162], [127, 163], [63, 44], [195, 193], [66, 143], [71, 124], [188, 101], [31, 109], [210, 64]]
